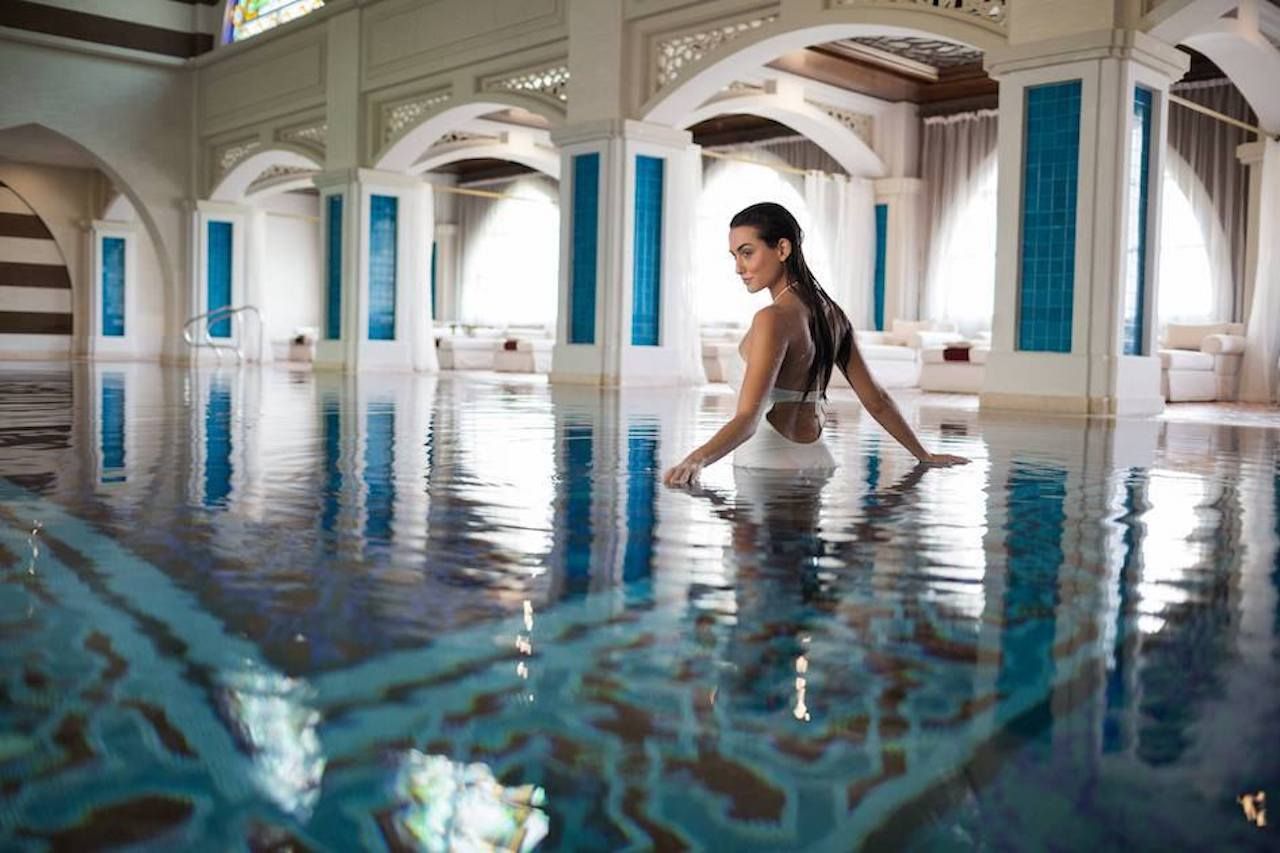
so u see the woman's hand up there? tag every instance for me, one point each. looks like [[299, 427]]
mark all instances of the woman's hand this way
[[684, 474], [944, 460]]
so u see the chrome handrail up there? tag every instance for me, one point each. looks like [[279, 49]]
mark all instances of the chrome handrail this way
[[234, 343]]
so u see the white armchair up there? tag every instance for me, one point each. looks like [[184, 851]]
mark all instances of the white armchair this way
[[1201, 362]]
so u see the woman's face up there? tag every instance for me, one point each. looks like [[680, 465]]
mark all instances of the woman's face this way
[[758, 264]]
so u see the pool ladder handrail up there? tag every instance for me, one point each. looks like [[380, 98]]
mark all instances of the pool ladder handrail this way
[[234, 343]]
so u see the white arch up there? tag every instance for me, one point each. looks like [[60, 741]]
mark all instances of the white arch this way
[[710, 74], [844, 146], [537, 158], [400, 155], [234, 185], [1252, 63], [126, 188]]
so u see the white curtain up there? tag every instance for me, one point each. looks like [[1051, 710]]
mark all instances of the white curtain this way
[[841, 247], [1217, 183], [1195, 254], [1259, 371], [510, 255], [686, 183], [958, 164]]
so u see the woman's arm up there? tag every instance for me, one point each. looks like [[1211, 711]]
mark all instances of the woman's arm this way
[[882, 407], [767, 347]]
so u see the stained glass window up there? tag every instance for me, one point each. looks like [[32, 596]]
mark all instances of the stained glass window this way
[[247, 18]]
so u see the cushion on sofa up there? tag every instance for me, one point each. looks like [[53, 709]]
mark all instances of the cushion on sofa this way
[[1185, 359], [1223, 344], [886, 352], [1191, 335]]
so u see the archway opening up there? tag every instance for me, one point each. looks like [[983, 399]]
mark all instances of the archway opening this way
[[53, 186]]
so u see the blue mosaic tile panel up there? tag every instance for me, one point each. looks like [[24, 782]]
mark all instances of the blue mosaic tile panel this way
[[218, 278], [1051, 164], [1135, 281], [585, 240], [435, 296], [113, 287], [333, 269], [882, 243], [383, 220], [646, 270], [112, 429]]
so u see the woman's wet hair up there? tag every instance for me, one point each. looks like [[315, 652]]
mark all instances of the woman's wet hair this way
[[829, 328]]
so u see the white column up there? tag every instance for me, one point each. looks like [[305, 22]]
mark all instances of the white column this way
[[608, 354], [257, 347], [1250, 154], [903, 246], [207, 212], [448, 289], [97, 343], [409, 345], [1090, 371]]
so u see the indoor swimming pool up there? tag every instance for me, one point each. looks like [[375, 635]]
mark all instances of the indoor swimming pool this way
[[241, 610]]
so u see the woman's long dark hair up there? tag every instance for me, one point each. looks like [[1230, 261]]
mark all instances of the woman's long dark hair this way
[[829, 328]]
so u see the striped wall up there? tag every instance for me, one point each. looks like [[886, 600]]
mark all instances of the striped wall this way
[[179, 28], [35, 287]]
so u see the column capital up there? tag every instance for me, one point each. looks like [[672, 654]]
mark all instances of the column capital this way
[[1250, 153], [1129, 45], [889, 187], [638, 131], [223, 208]]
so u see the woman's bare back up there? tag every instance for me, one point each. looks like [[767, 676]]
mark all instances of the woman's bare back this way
[[800, 422]]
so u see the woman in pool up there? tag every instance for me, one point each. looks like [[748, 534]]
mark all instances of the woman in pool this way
[[790, 350]]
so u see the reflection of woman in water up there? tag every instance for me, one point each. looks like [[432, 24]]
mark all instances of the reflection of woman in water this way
[[790, 350]]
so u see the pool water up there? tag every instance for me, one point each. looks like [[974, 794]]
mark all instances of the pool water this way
[[269, 610]]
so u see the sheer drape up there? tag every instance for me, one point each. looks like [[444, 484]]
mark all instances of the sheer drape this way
[[1259, 371], [958, 165], [686, 176], [1195, 254], [510, 255], [1210, 170], [842, 251]]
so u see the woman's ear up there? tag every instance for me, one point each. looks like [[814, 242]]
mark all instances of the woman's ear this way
[[784, 249]]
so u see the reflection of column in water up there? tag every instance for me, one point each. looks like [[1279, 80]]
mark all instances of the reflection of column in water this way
[[1036, 522], [379, 470], [575, 522], [1121, 690], [642, 479], [218, 468], [331, 465], [111, 431]]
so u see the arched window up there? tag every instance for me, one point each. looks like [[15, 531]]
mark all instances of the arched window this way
[[729, 187], [247, 18], [966, 266], [1189, 279], [511, 255]]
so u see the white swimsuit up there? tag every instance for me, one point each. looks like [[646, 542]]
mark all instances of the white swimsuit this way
[[769, 449]]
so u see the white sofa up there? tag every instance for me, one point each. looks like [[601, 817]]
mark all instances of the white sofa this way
[[515, 348], [1199, 363], [894, 356], [962, 374], [523, 355]]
